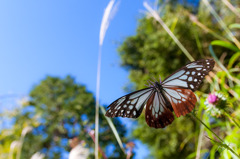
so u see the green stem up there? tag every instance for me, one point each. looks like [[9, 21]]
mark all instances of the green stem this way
[[231, 118], [207, 127], [229, 148]]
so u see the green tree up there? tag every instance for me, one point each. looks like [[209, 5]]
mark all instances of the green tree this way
[[57, 110], [152, 52]]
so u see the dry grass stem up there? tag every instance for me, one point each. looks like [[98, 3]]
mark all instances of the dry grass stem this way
[[157, 18]]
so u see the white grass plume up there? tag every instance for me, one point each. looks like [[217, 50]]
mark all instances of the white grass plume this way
[[109, 13], [107, 16]]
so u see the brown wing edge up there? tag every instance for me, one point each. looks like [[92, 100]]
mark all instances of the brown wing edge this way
[[185, 107]]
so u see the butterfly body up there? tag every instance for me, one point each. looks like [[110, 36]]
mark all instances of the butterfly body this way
[[175, 93], [158, 86]]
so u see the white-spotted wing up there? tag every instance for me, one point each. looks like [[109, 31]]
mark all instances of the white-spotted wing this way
[[190, 76], [179, 87], [130, 105]]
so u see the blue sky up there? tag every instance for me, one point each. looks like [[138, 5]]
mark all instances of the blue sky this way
[[59, 38]]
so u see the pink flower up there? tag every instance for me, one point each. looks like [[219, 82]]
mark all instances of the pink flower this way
[[212, 98]]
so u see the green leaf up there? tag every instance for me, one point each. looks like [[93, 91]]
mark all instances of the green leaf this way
[[233, 59], [225, 44], [234, 26], [173, 26]]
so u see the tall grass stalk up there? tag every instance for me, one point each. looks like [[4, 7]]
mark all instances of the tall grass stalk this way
[[231, 7], [92, 134], [222, 24], [195, 20], [158, 18], [97, 103], [107, 16]]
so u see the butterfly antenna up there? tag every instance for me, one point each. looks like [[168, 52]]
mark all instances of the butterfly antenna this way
[[154, 79], [152, 83], [160, 79], [148, 84]]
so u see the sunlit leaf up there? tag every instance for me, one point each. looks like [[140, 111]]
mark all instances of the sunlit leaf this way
[[225, 44], [234, 26], [233, 59]]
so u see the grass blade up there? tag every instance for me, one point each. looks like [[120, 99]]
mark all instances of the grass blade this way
[[234, 26], [195, 20], [222, 24], [113, 129], [231, 7], [157, 18]]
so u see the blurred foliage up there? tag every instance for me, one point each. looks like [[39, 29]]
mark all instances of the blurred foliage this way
[[59, 109], [151, 52]]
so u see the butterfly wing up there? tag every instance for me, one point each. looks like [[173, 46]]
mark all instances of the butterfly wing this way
[[178, 87], [157, 114], [190, 76], [130, 105], [182, 100]]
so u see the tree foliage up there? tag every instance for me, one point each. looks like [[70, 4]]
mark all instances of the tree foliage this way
[[59, 109]]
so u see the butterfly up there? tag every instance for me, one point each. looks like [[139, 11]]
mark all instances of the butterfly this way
[[174, 94]]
